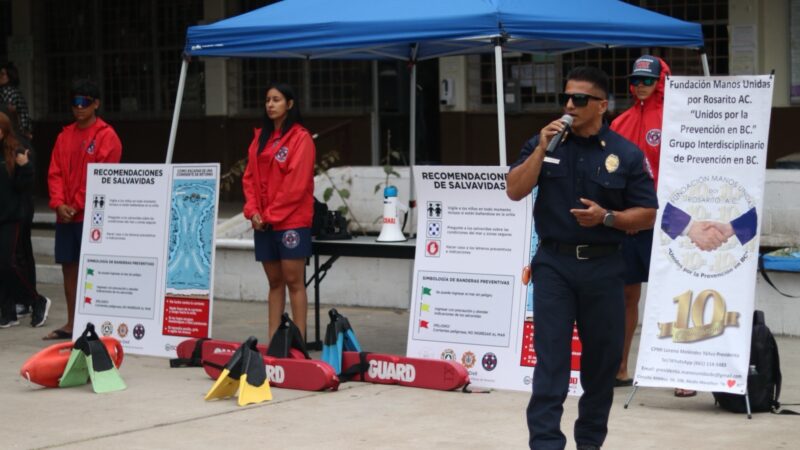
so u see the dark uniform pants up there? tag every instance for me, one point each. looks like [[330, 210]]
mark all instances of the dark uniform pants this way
[[589, 292]]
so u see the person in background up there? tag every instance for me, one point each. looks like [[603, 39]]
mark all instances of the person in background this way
[[12, 97], [641, 124], [16, 181], [24, 290], [593, 188], [87, 140], [278, 186]]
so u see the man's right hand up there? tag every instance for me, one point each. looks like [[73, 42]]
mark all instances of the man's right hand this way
[[66, 213], [550, 130]]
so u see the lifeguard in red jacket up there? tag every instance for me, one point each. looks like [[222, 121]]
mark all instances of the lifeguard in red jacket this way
[[641, 124], [278, 188], [88, 140]]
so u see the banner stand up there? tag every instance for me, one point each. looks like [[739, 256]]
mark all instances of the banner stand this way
[[746, 392], [746, 401]]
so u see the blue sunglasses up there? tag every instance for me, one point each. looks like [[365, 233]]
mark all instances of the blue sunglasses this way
[[82, 101]]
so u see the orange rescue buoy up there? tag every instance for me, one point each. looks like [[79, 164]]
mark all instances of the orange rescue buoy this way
[[46, 367]]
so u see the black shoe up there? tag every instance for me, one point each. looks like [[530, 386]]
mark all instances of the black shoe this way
[[23, 310], [588, 447], [8, 323], [41, 306]]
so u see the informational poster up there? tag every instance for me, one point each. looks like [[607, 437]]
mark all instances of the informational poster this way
[[147, 255], [468, 302], [700, 296]]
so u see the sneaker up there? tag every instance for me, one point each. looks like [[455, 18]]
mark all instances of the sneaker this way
[[41, 306], [7, 323], [23, 310]]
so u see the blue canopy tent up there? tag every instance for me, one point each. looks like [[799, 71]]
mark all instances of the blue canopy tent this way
[[413, 30]]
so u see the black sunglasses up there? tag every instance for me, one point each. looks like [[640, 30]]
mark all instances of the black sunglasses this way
[[82, 101], [647, 81], [579, 100]]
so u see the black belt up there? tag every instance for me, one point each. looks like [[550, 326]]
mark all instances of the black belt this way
[[582, 251]]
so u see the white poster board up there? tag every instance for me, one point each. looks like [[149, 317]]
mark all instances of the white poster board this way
[[147, 254], [468, 303], [700, 298]]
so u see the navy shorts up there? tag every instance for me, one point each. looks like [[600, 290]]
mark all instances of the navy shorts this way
[[636, 251], [68, 242], [274, 245]]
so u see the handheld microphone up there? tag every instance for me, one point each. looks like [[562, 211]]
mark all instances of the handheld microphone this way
[[567, 119]]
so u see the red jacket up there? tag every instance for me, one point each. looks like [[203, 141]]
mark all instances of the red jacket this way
[[278, 184], [641, 123], [75, 148]]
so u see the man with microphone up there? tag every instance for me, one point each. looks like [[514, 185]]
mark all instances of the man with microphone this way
[[593, 187]]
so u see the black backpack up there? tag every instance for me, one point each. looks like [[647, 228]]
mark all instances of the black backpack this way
[[318, 220], [764, 379]]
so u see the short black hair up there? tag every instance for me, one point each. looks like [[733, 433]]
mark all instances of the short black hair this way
[[592, 75], [12, 72], [293, 116], [85, 87]]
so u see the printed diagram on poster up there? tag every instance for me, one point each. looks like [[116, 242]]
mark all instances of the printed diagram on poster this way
[[467, 303], [190, 252], [700, 298], [147, 265]]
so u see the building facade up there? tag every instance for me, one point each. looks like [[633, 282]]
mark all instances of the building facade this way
[[133, 49]]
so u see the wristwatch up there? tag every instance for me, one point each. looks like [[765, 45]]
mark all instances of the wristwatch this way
[[608, 219]]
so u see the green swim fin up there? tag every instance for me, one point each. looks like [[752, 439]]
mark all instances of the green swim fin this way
[[102, 371], [76, 372]]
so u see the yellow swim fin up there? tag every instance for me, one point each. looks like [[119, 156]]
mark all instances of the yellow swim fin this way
[[254, 386], [228, 381]]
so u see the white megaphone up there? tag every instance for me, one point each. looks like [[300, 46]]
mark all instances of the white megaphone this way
[[392, 229]]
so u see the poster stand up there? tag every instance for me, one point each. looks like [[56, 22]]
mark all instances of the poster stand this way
[[746, 401]]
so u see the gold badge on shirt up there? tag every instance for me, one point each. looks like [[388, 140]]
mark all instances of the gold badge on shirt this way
[[612, 163]]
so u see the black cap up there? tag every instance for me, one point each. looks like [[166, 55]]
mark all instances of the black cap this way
[[646, 66]]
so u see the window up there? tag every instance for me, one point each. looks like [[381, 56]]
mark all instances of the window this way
[[320, 85], [534, 76], [131, 49], [530, 79], [5, 27], [258, 73]]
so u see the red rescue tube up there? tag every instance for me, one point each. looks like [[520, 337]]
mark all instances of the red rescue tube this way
[[414, 372], [287, 373], [46, 366]]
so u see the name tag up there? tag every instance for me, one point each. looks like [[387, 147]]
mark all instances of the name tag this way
[[551, 160]]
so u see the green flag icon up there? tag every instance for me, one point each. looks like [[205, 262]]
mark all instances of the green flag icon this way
[[426, 290], [89, 271], [425, 307]]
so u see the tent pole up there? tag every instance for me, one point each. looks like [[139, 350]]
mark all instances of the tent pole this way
[[412, 148], [704, 60], [501, 107], [173, 131], [412, 128], [375, 118]]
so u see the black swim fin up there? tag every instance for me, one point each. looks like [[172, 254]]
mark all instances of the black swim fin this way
[[286, 338]]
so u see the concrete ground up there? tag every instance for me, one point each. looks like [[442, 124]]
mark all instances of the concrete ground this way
[[164, 407]]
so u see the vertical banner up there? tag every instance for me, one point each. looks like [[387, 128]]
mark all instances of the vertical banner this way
[[468, 303], [147, 257], [700, 297]]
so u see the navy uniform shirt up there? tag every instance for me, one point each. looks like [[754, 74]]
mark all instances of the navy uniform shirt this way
[[605, 168]]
